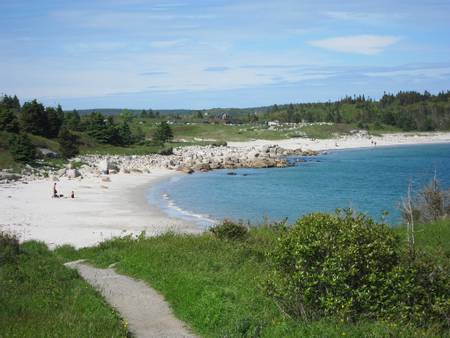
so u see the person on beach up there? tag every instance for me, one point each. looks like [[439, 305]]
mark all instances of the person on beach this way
[[72, 195], [55, 192]]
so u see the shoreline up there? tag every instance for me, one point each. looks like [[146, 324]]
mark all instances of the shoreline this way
[[101, 210], [104, 209], [352, 141]]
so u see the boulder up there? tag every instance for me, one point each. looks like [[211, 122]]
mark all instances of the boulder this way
[[9, 176], [45, 152], [185, 170], [72, 173], [106, 165]]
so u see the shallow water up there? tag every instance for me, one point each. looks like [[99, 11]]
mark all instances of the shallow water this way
[[368, 180]]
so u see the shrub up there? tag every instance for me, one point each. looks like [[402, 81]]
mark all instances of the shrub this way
[[8, 121], [68, 143], [230, 231], [163, 133], [349, 267], [219, 144], [430, 204], [21, 148], [417, 292], [9, 247], [166, 151]]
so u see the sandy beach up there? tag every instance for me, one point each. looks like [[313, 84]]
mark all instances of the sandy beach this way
[[102, 210], [353, 141]]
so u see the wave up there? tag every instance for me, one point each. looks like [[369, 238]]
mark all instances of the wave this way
[[174, 210]]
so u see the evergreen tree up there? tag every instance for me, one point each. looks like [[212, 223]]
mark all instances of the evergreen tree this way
[[10, 102], [68, 143], [72, 120], [163, 133], [8, 121], [98, 127], [33, 118], [21, 148], [290, 112], [54, 121], [124, 134]]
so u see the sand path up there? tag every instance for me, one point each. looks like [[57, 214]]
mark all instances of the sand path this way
[[146, 311]]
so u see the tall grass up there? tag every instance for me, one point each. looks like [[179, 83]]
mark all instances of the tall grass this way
[[39, 297], [216, 285]]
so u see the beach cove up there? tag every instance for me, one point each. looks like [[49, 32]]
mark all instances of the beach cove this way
[[117, 205]]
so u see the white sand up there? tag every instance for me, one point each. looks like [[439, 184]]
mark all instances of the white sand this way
[[352, 141], [100, 210]]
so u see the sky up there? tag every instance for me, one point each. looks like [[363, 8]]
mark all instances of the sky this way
[[202, 54]]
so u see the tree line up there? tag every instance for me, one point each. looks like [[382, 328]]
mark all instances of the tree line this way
[[67, 127], [406, 110]]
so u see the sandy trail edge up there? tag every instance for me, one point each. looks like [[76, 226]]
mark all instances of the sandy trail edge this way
[[146, 311]]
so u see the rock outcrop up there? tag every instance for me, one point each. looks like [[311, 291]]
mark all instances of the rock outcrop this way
[[197, 158]]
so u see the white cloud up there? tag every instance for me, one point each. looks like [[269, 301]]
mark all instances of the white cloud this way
[[359, 44], [435, 73]]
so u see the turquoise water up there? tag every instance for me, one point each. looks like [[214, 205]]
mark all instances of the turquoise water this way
[[367, 180]]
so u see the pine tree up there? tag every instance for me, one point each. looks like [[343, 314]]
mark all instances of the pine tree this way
[[33, 118], [21, 148], [54, 121], [72, 120], [124, 133], [68, 143], [8, 121], [163, 133]]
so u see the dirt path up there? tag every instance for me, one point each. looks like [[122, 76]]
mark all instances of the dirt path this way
[[146, 311]]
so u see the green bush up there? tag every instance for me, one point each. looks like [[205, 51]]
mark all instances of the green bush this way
[[166, 151], [68, 143], [21, 148], [349, 267], [230, 230], [219, 144], [9, 247], [163, 133]]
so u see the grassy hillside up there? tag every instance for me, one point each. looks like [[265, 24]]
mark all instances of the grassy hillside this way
[[39, 297], [216, 285]]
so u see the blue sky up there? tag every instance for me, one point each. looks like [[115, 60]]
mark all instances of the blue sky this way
[[202, 54]]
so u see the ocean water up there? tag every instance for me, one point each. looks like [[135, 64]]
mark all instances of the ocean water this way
[[368, 180]]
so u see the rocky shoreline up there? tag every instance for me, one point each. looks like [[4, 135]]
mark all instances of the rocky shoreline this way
[[197, 158], [183, 159]]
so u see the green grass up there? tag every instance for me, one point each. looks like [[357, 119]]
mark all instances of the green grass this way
[[246, 132], [433, 239], [216, 286], [326, 131], [7, 161], [43, 142], [39, 297], [107, 149]]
